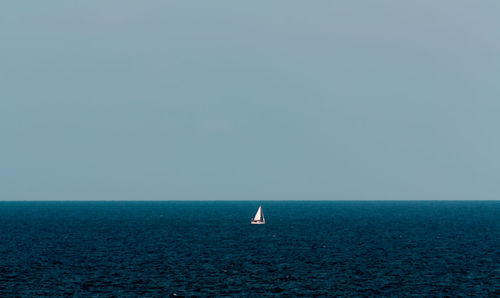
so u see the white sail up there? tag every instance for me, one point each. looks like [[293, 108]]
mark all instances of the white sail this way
[[258, 215]]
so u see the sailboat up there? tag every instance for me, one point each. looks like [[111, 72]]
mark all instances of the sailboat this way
[[258, 219]]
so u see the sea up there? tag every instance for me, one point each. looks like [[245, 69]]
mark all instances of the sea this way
[[210, 249]]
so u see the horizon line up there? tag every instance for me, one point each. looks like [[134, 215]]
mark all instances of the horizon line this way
[[359, 200]]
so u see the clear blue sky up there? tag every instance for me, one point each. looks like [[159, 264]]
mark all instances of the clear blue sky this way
[[269, 100]]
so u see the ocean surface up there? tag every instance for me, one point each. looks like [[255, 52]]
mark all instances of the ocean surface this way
[[210, 249]]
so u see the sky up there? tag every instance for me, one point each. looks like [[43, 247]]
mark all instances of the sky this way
[[274, 100]]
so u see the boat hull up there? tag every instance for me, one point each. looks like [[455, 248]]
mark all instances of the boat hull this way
[[257, 222]]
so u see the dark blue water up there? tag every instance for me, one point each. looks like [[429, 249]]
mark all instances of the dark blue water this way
[[209, 248]]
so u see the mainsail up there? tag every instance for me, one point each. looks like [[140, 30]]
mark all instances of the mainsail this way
[[258, 215]]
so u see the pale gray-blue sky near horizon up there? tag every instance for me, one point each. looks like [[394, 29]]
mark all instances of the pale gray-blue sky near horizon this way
[[275, 100]]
